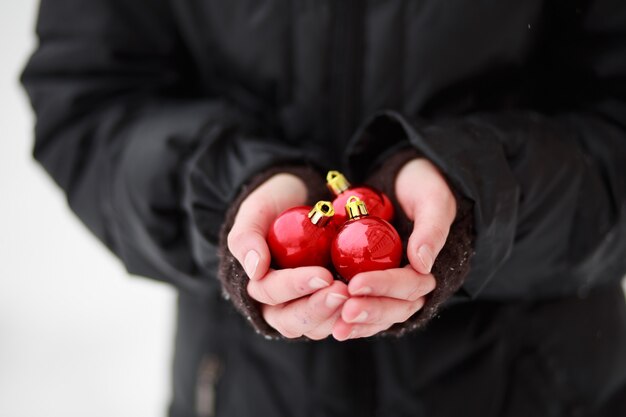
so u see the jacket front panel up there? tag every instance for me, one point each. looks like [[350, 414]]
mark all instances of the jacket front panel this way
[[289, 60], [483, 359]]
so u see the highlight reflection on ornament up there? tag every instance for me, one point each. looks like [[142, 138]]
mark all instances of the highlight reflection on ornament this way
[[301, 236], [364, 243]]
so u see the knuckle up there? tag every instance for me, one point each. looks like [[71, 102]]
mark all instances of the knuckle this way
[[269, 315], [286, 330], [314, 316], [317, 316], [420, 288], [275, 318], [375, 316], [431, 233], [429, 284], [408, 311], [268, 297], [439, 234], [412, 309], [252, 291], [259, 291], [414, 293]]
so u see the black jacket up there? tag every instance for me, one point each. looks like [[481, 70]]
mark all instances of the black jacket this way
[[152, 115]]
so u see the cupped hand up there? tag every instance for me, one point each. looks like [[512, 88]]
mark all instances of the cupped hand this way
[[296, 302], [379, 299]]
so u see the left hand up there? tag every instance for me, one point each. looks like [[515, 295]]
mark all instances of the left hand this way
[[296, 302], [379, 299]]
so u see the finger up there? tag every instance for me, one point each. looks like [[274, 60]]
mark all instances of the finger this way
[[431, 206], [367, 316], [246, 240], [401, 283], [345, 331], [281, 286], [325, 329], [342, 330], [379, 310], [426, 241], [301, 316]]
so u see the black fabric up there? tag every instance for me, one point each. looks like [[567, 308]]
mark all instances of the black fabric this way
[[151, 115], [564, 357]]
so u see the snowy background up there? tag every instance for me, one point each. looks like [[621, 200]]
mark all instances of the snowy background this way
[[78, 336]]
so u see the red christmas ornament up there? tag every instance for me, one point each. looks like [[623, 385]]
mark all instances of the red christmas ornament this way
[[378, 204], [365, 243], [301, 236]]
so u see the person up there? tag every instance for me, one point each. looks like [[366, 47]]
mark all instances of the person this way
[[180, 129]]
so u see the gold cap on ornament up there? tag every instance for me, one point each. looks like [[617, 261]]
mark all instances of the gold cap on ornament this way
[[321, 213], [336, 182], [355, 208]]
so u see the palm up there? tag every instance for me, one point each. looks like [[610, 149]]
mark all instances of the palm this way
[[379, 299]]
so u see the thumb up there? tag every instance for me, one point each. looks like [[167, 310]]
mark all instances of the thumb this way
[[426, 199], [246, 240]]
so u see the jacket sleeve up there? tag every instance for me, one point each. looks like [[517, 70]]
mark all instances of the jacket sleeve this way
[[148, 165], [548, 181]]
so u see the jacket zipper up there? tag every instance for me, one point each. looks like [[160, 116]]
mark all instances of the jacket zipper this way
[[209, 373]]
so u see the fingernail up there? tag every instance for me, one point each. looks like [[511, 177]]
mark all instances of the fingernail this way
[[426, 256], [352, 334], [362, 291], [316, 283], [360, 318], [334, 300], [251, 262]]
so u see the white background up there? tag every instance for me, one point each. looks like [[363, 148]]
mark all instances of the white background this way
[[78, 337]]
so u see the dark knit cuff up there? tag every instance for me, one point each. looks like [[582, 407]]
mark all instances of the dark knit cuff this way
[[452, 264], [230, 272]]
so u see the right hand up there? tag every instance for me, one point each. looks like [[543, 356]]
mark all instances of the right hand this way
[[296, 302]]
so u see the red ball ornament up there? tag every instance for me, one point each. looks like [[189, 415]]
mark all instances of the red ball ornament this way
[[378, 204], [365, 243], [302, 236]]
